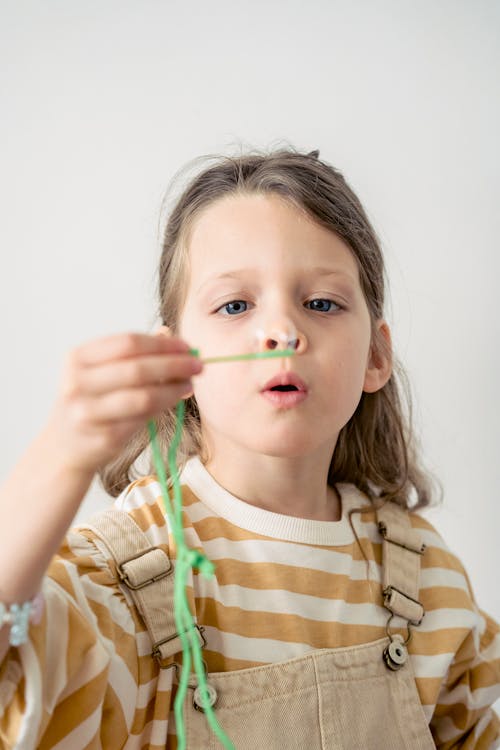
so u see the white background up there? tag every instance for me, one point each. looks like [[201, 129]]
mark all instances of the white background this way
[[103, 101]]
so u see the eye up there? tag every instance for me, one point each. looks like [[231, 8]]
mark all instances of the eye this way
[[322, 305], [234, 307]]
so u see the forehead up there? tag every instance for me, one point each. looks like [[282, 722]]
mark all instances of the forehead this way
[[264, 233]]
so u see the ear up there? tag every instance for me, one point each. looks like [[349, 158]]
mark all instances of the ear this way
[[163, 331], [379, 368]]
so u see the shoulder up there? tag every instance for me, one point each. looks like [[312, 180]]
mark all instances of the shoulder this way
[[143, 500], [145, 495], [446, 589], [143, 503], [444, 582], [437, 555], [84, 569], [82, 557]]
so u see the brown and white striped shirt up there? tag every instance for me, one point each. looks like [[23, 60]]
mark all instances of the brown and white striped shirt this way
[[282, 587]]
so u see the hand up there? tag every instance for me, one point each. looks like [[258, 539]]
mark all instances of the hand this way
[[110, 388]]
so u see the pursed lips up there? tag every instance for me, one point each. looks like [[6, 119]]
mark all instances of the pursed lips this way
[[285, 390], [285, 381]]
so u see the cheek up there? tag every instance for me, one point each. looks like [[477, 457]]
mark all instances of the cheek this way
[[212, 389], [204, 384], [347, 366], [188, 331], [358, 346], [222, 391]]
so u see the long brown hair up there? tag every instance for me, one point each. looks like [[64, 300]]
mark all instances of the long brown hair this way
[[377, 449]]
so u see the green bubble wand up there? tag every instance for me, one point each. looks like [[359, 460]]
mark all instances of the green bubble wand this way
[[188, 559]]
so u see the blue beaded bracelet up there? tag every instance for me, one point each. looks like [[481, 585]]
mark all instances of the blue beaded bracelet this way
[[18, 616]]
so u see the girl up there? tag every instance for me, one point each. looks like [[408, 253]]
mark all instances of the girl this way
[[337, 617]]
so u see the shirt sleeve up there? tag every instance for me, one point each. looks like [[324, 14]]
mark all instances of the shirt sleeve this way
[[77, 663], [464, 717]]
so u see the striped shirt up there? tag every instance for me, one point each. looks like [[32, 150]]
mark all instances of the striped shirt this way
[[282, 587]]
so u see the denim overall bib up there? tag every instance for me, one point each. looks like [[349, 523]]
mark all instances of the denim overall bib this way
[[349, 698]]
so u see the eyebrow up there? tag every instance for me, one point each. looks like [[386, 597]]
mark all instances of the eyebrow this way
[[331, 272], [245, 271]]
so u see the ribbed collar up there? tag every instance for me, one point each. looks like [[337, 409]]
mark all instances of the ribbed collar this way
[[265, 522]]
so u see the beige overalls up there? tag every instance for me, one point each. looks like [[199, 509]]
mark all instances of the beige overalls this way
[[330, 699]]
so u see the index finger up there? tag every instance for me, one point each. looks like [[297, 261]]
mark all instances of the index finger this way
[[125, 345]]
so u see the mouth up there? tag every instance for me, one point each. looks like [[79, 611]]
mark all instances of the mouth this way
[[285, 390], [284, 382]]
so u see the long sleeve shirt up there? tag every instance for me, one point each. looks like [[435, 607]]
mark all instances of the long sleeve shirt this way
[[282, 587]]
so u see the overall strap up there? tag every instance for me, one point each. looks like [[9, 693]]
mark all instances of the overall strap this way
[[401, 553], [148, 574]]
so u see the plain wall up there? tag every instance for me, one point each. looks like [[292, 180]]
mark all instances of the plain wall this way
[[102, 103]]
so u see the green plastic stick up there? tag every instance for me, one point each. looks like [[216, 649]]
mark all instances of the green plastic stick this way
[[256, 355]]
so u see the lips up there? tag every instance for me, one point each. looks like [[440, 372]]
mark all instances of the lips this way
[[285, 391], [279, 382]]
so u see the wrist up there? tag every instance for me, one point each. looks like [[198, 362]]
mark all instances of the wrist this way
[[64, 464], [18, 616]]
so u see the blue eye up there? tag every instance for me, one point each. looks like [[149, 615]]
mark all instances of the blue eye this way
[[319, 305], [237, 305]]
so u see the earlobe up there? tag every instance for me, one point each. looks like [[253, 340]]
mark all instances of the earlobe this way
[[379, 367], [163, 331]]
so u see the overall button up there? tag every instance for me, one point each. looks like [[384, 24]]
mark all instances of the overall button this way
[[395, 655], [199, 702]]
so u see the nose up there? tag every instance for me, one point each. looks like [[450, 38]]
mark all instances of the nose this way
[[281, 334]]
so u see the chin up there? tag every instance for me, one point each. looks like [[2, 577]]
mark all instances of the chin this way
[[286, 448]]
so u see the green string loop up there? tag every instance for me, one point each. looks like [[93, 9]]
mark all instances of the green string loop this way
[[198, 560], [187, 559]]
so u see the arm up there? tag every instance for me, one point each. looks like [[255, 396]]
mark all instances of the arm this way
[[79, 665], [463, 717], [37, 504], [110, 387]]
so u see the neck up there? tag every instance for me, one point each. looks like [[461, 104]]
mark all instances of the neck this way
[[295, 486]]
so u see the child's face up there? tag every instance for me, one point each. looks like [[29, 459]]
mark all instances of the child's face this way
[[273, 250]]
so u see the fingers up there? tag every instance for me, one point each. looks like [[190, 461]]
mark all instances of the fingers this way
[[135, 373], [110, 387], [128, 404], [123, 346], [126, 377], [128, 360]]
